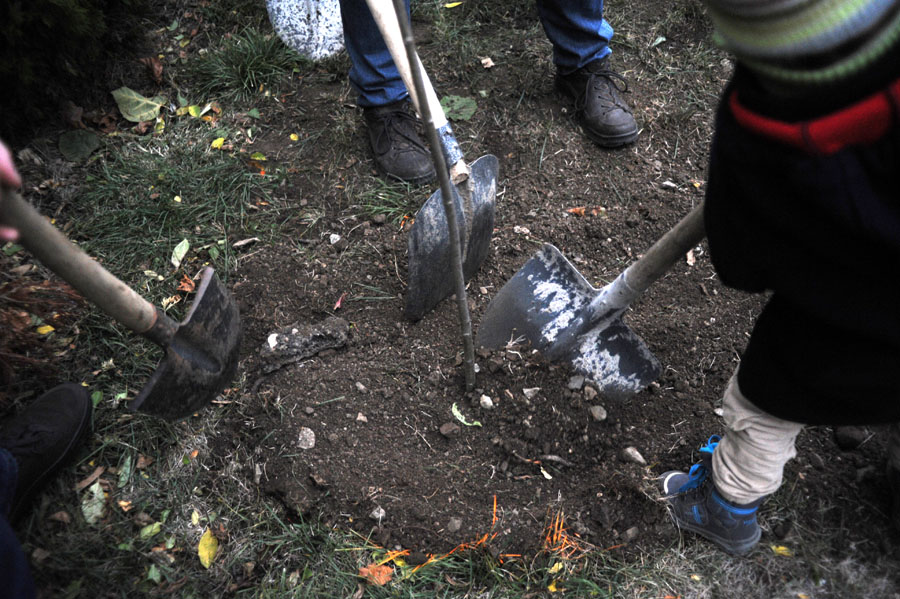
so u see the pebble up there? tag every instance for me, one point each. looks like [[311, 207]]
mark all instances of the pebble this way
[[590, 393], [309, 410], [598, 413], [630, 454], [486, 402], [630, 534], [361, 388], [377, 514], [576, 382], [306, 438], [449, 429], [361, 417], [530, 392], [454, 525]]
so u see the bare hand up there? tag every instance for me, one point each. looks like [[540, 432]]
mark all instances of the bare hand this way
[[9, 177]]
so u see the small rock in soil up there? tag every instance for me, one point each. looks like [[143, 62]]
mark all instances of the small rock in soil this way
[[630, 534], [849, 437], [309, 410], [576, 382], [531, 392], [450, 429], [590, 393], [454, 525], [361, 388], [630, 454], [377, 514], [379, 219], [816, 460], [598, 413], [361, 417], [306, 438], [486, 402]]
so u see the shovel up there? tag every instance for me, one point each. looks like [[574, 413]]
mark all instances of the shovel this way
[[201, 352], [550, 304], [474, 192]]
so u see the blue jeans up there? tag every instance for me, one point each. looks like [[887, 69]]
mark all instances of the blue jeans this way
[[576, 28], [15, 578]]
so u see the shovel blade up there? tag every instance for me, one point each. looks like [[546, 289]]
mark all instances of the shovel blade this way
[[430, 268], [201, 358], [545, 297]]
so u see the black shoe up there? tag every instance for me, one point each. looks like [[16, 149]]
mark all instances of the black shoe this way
[[42, 437], [399, 151], [696, 505], [605, 116]]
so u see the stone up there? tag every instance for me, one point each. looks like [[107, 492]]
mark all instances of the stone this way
[[531, 392], [590, 393], [486, 402], [377, 514], [450, 429], [598, 413], [576, 382], [454, 525], [306, 439], [631, 454]]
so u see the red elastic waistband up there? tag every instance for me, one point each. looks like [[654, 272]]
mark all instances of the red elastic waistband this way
[[863, 122]]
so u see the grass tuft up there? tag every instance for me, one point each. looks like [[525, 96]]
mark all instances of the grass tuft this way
[[247, 64]]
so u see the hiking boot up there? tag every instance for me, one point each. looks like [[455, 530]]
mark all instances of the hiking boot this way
[[42, 437], [605, 116], [697, 506], [399, 151]]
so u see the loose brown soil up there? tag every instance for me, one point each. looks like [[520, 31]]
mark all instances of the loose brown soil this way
[[378, 405]]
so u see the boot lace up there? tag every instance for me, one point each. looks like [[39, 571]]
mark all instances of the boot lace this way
[[601, 79], [699, 472], [399, 126]]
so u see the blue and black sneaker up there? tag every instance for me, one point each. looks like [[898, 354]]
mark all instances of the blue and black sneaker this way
[[696, 505]]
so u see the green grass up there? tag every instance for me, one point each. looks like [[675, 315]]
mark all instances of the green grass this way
[[248, 63]]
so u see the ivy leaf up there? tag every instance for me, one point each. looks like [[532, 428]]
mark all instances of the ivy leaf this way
[[458, 108], [135, 107]]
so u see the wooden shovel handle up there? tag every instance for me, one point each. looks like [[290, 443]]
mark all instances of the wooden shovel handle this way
[[386, 18], [74, 266]]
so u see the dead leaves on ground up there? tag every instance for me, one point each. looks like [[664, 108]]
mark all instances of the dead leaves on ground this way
[[375, 574]]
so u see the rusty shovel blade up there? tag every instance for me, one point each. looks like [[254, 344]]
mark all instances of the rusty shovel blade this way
[[201, 356]]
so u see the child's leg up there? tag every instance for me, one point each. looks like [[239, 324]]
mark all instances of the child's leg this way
[[749, 460], [745, 466]]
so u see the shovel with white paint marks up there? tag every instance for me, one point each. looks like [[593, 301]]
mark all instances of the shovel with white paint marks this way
[[550, 304]]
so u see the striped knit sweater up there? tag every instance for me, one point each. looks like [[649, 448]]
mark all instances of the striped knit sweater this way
[[806, 42]]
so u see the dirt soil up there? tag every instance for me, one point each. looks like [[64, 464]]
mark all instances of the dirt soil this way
[[389, 458]]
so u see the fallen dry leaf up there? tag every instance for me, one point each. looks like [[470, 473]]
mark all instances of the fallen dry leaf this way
[[187, 284], [577, 211], [61, 516], [486, 62], [155, 67], [340, 301], [87, 482], [377, 575]]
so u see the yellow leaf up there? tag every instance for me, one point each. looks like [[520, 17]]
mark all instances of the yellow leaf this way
[[781, 550], [177, 199], [45, 329], [552, 587], [802, 596], [695, 577], [452, 4], [217, 142], [294, 137], [195, 518], [555, 568], [207, 549]]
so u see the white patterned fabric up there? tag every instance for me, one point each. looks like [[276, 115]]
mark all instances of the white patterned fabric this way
[[310, 27]]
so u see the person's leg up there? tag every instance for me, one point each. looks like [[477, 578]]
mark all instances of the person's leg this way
[[580, 37], [15, 577], [719, 498], [399, 151]]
